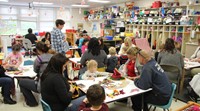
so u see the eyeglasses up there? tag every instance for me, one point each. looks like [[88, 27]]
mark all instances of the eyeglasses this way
[[138, 52]]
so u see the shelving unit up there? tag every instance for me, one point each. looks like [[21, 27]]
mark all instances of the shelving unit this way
[[159, 33]]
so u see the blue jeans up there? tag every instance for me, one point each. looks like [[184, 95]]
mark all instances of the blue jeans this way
[[6, 84], [74, 105]]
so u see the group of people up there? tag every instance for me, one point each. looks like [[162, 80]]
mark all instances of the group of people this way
[[57, 90]]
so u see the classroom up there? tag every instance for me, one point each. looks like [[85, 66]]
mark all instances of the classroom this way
[[99, 55]]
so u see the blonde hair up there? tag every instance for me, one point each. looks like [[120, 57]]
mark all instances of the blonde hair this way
[[144, 54], [129, 41], [132, 51], [112, 51], [92, 63]]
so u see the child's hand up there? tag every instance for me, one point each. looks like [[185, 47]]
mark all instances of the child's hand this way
[[86, 100], [72, 89]]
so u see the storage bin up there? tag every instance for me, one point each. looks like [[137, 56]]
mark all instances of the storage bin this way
[[109, 37]]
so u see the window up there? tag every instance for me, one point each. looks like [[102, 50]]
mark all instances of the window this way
[[8, 27], [26, 25], [46, 15], [46, 26]]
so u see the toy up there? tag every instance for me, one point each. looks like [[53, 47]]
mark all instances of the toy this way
[[117, 75]]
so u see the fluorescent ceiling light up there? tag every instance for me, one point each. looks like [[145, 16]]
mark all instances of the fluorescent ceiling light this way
[[42, 3], [3, 0], [77, 5], [100, 1]]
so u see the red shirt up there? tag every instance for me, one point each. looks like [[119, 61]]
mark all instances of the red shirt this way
[[83, 107], [131, 69]]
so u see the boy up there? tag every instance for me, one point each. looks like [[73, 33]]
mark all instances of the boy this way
[[95, 97], [112, 60]]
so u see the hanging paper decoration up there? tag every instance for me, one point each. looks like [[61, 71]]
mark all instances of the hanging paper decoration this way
[[83, 2], [79, 10]]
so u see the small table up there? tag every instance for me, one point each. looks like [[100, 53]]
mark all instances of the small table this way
[[130, 89], [76, 65], [73, 48]]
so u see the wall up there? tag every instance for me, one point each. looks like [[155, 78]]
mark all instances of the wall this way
[[79, 18]]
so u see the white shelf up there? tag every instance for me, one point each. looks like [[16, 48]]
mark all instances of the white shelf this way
[[194, 5], [194, 15], [176, 6]]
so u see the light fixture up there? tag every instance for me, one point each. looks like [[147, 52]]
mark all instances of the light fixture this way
[[99, 1], [3, 0], [42, 3], [79, 5]]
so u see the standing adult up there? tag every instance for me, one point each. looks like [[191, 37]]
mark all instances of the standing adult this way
[[31, 36], [152, 76], [126, 45], [94, 52], [55, 89], [29, 85], [58, 40], [170, 55]]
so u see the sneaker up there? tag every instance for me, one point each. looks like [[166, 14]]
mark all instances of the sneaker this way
[[9, 101]]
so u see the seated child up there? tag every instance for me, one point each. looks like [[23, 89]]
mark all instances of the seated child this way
[[85, 45], [112, 60], [95, 97], [14, 59], [92, 72]]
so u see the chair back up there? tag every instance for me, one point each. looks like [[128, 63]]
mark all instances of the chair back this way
[[28, 62], [173, 72], [167, 106], [123, 59], [27, 44], [45, 106]]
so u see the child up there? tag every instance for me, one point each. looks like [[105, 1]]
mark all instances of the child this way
[[85, 45], [95, 97], [112, 60], [161, 47], [92, 72], [14, 59]]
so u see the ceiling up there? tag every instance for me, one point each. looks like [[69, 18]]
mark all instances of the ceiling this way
[[57, 3]]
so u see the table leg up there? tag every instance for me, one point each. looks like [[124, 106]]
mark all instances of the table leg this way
[[142, 102], [182, 81]]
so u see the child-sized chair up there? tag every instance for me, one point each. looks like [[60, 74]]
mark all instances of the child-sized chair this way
[[45, 106], [168, 105]]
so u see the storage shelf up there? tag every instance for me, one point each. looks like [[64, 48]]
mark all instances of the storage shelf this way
[[177, 6], [194, 5], [194, 15]]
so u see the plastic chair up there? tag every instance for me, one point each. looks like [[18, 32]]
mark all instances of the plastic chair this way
[[45, 106], [27, 47], [28, 62], [168, 105], [173, 74]]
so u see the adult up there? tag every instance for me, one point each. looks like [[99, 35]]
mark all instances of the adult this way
[[170, 55], [126, 45], [102, 45], [31, 36], [196, 58], [29, 85], [55, 89], [6, 83], [94, 52], [47, 39], [58, 40], [152, 76]]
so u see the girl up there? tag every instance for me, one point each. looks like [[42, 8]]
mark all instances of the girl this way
[[92, 72], [129, 66], [85, 45], [14, 59], [127, 44]]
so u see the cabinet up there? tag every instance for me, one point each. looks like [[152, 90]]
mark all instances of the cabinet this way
[[70, 38], [157, 34]]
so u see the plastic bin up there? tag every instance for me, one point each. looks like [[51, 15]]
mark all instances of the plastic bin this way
[[109, 37]]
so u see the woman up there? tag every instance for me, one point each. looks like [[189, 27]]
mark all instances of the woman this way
[[170, 55], [47, 39], [55, 89], [152, 76], [29, 85], [130, 66], [196, 58], [126, 45], [94, 52], [102, 45]]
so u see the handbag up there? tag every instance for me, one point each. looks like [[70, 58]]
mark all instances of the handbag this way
[[78, 92]]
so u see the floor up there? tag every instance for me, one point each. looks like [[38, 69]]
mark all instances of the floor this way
[[117, 106]]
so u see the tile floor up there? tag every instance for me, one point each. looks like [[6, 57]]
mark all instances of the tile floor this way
[[113, 106]]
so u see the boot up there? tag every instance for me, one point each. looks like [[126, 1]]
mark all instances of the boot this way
[[9, 101]]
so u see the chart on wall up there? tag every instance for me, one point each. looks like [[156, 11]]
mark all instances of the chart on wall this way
[[8, 27]]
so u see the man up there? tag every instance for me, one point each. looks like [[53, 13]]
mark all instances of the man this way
[[31, 36], [58, 40], [152, 76]]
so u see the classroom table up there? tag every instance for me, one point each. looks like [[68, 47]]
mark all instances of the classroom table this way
[[75, 60], [27, 72], [73, 49], [129, 90]]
